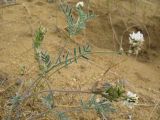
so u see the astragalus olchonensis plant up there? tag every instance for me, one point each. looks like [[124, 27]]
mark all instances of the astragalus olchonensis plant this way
[[136, 41], [76, 24], [38, 99]]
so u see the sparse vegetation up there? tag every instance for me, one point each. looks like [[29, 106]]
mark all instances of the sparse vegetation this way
[[109, 93], [76, 26], [48, 75]]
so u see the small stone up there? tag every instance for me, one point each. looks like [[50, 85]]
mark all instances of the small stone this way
[[18, 82], [1, 91]]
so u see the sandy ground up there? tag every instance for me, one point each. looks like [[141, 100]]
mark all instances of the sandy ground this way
[[142, 75]]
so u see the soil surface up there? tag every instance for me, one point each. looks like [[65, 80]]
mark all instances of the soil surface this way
[[114, 21]]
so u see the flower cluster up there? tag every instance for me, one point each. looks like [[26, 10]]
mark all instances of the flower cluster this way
[[131, 100], [136, 41], [80, 4]]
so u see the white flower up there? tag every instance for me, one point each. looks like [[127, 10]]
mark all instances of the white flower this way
[[136, 41], [136, 37], [43, 29], [131, 95], [81, 3], [131, 100], [98, 100]]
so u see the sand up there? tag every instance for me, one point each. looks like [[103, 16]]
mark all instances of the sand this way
[[113, 23]]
